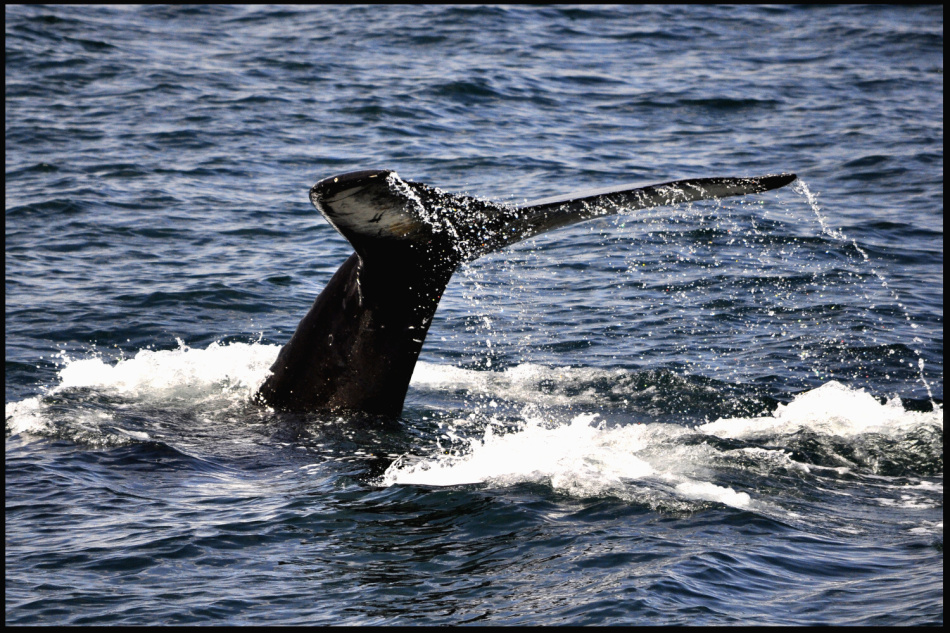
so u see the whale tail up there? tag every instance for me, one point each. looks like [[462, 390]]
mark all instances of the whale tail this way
[[357, 346], [374, 207]]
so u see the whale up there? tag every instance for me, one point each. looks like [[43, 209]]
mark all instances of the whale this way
[[357, 346]]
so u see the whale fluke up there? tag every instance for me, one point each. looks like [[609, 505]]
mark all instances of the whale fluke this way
[[357, 346]]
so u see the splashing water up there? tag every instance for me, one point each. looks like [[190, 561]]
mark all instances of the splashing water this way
[[662, 465], [812, 198]]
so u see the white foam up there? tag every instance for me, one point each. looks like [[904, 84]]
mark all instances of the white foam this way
[[706, 491], [86, 425], [223, 375], [928, 528], [585, 459], [566, 455], [581, 459], [578, 456], [910, 501], [236, 369], [25, 416], [832, 409]]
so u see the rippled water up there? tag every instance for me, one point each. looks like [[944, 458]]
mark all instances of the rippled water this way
[[723, 412]]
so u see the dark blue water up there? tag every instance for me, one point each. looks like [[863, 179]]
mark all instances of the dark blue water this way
[[717, 413]]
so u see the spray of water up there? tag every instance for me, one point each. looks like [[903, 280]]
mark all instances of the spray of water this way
[[801, 188]]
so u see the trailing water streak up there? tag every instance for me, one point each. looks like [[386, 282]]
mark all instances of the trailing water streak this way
[[839, 235]]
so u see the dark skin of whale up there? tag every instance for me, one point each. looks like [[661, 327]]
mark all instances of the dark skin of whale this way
[[356, 348]]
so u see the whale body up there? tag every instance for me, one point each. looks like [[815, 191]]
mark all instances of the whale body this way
[[356, 348]]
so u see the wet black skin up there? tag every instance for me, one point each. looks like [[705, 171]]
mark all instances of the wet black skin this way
[[357, 346]]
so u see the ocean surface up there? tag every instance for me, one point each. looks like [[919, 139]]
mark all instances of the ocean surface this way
[[724, 412]]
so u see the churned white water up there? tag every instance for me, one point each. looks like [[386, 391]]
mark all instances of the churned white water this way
[[578, 455]]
